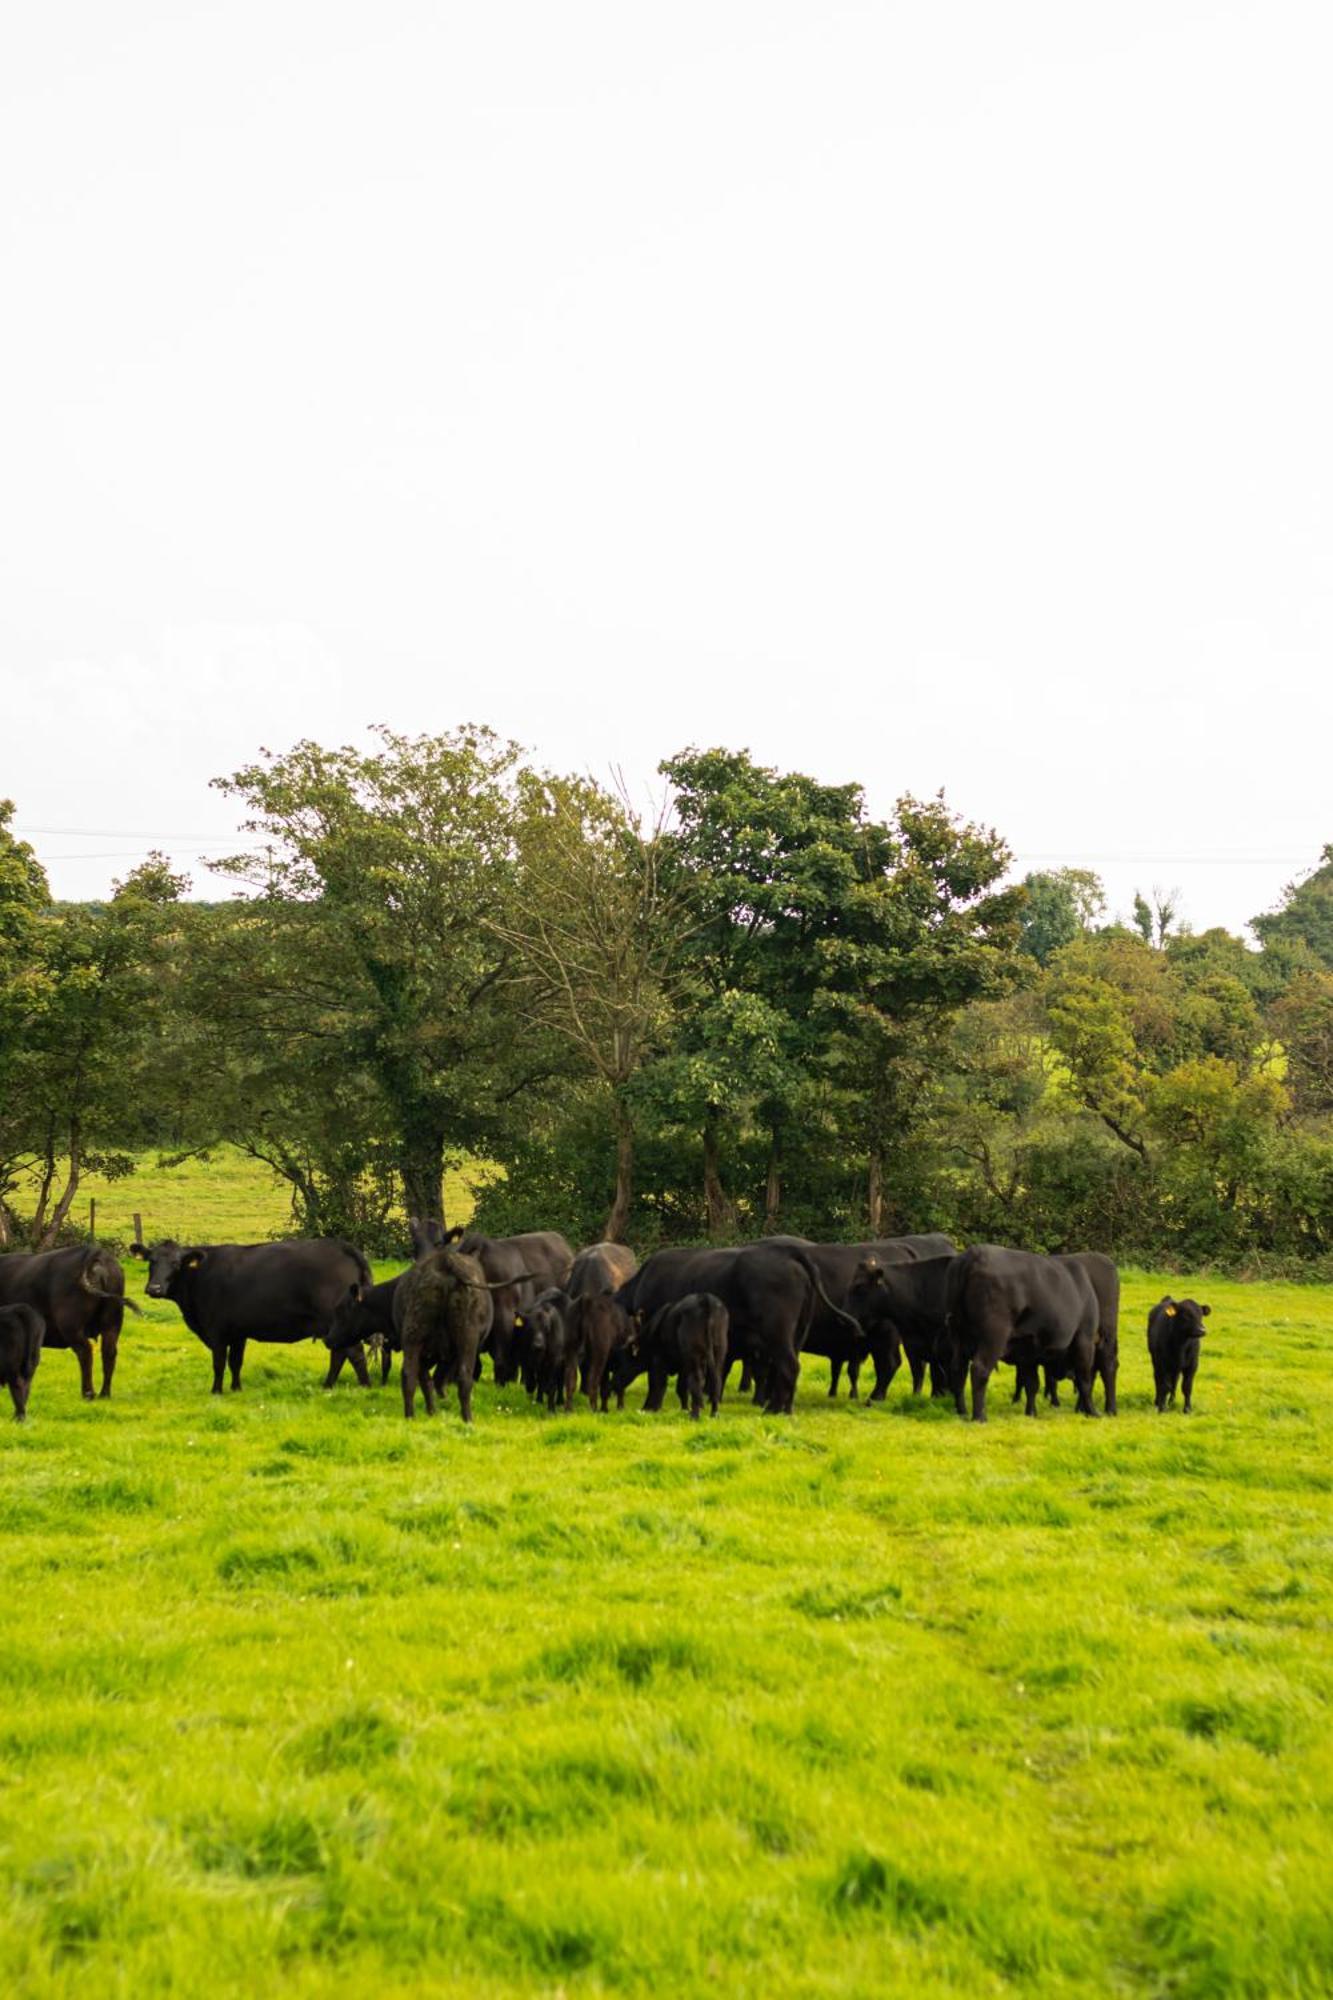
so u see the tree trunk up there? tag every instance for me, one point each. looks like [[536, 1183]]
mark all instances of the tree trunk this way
[[773, 1182], [721, 1214], [875, 1192], [421, 1164], [50, 1235], [618, 1220]]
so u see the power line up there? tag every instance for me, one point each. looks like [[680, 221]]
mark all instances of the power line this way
[[127, 833]]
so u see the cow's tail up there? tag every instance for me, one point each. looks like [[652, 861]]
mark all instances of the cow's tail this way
[[117, 1298], [807, 1265]]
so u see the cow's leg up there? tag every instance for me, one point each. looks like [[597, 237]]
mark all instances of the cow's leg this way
[[1018, 1386], [1028, 1382], [853, 1377], [657, 1382], [357, 1357], [466, 1379], [18, 1390], [1187, 1375], [747, 1378], [1082, 1356], [835, 1373], [694, 1388], [1052, 1388], [235, 1361], [917, 1364], [83, 1354], [594, 1372], [337, 1356], [110, 1350], [219, 1354], [410, 1371], [1108, 1367], [431, 1383], [983, 1367]]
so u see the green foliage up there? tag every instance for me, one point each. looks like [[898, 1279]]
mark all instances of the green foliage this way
[[304, 1699], [1305, 918], [1060, 904]]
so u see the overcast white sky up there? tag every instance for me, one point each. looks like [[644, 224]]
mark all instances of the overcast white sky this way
[[930, 394]]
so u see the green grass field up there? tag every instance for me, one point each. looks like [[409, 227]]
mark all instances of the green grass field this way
[[300, 1699], [226, 1198]]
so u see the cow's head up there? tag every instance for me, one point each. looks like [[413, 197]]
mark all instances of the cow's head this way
[[1187, 1317], [428, 1235], [348, 1322], [168, 1261]]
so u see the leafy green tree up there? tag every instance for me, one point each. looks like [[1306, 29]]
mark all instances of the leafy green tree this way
[[594, 930], [1303, 1021], [378, 873], [1305, 916], [79, 1008], [861, 937], [1060, 904]]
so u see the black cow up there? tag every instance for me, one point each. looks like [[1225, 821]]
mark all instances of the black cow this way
[[907, 1306], [229, 1293], [1105, 1281], [80, 1294], [770, 1291], [838, 1264], [1175, 1328], [687, 1340], [442, 1311], [600, 1328], [21, 1330], [602, 1267], [550, 1345], [363, 1314], [517, 1268], [1015, 1303]]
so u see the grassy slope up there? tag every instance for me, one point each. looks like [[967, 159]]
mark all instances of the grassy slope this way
[[869, 1701], [227, 1198]]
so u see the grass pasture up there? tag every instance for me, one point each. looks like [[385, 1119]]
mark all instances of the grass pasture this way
[[299, 1698], [225, 1196]]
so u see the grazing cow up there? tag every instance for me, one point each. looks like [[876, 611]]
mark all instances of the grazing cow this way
[[363, 1315], [1175, 1328], [441, 1312], [687, 1340], [80, 1294], [602, 1267], [1014, 1303], [838, 1264], [903, 1305], [517, 1267], [230, 1293], [770, 1291], [21, 1330]]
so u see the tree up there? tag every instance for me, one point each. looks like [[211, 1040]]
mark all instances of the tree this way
[[594, 931], [1303, 1021], [1305, 916], [861, 936], [1153, 921], [1061, 903], [378, 873], [80, 1010]]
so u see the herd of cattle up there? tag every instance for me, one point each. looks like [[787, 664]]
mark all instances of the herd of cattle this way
[[596, 1320]]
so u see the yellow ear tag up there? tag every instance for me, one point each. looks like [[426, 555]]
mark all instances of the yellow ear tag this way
[[1170, 1312]]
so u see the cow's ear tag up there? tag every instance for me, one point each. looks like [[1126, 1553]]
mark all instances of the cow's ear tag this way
[[1170, 1312], [194, 1260]]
